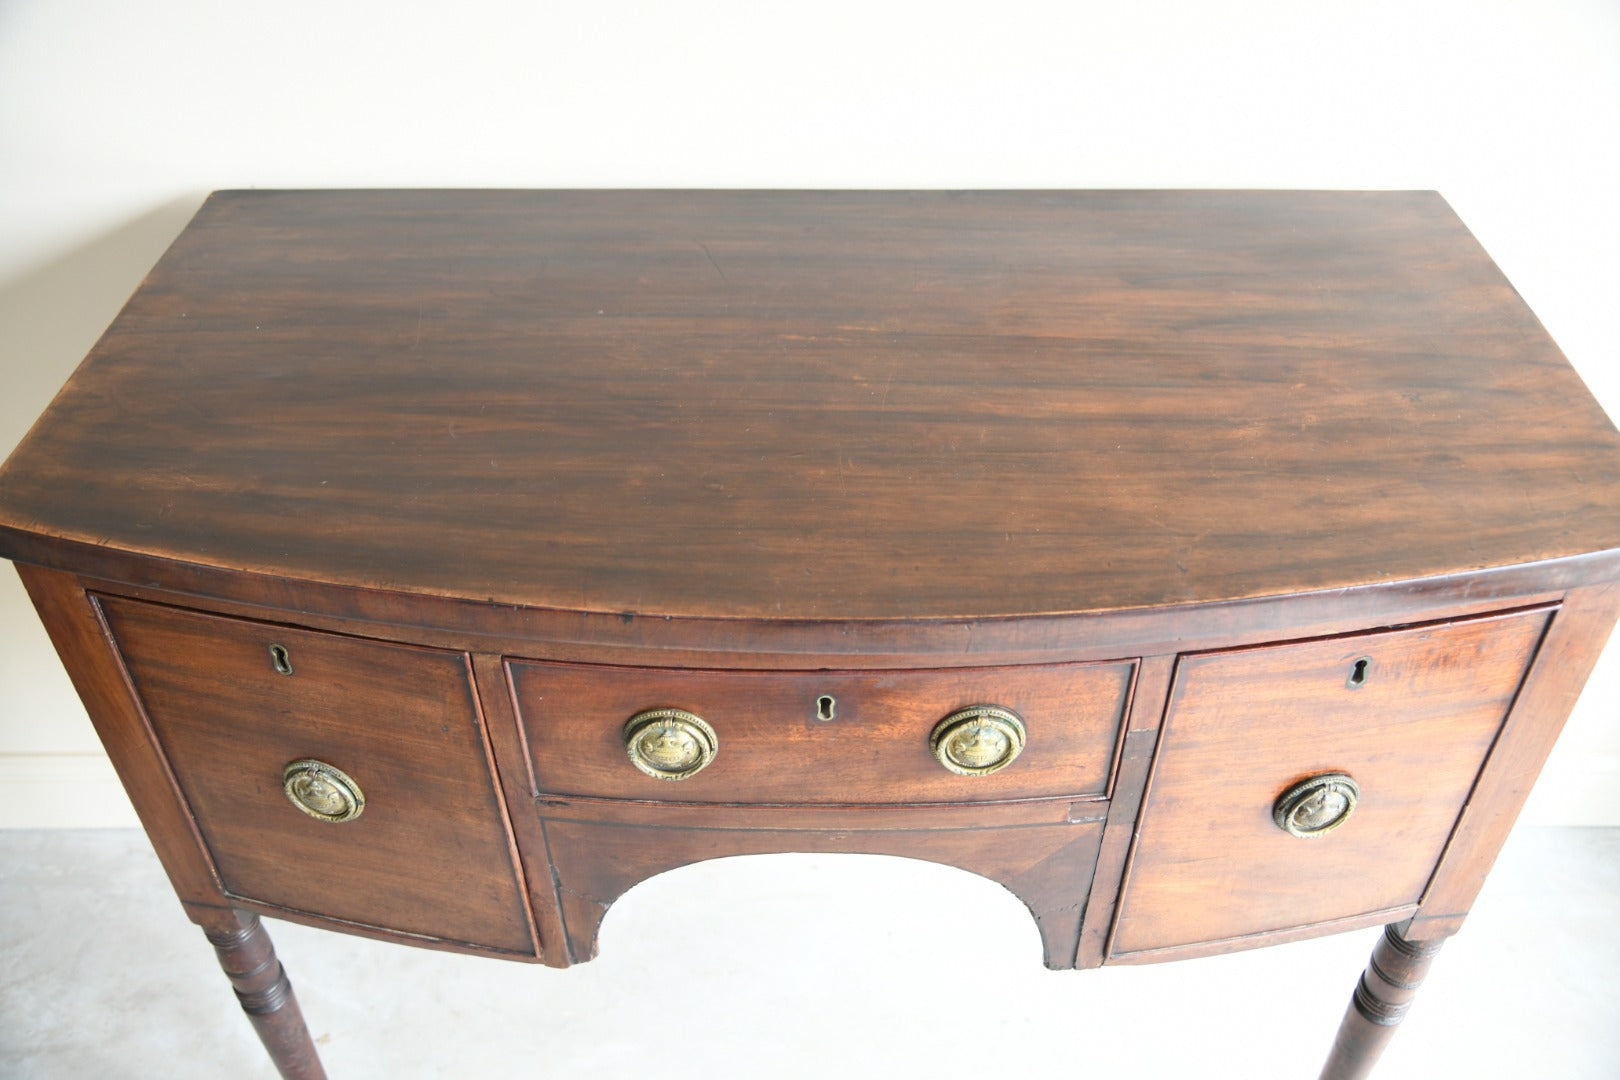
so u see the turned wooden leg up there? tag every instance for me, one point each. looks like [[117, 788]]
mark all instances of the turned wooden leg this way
[[249, 959], [1382, 997]]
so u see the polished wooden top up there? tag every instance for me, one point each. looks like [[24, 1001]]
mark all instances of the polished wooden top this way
[[825, 405]]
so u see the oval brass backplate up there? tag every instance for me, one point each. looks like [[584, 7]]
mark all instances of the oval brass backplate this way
[[1317, 805], [978, 740], [324, 792], [670, 744]]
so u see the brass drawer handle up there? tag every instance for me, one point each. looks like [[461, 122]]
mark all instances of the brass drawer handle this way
[[1317, 805], [670, 744], [322, 791], [978, 740]]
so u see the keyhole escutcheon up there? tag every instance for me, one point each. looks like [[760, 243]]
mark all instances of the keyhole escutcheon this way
[[280, 660], [1358, 673]]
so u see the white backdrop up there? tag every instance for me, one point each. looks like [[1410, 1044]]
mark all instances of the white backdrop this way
[[116, 118]]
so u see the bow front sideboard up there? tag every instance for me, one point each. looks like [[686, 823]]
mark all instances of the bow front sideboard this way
[[1211, 569]]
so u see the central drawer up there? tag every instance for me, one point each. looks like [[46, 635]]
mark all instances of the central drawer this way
[[824, 737]]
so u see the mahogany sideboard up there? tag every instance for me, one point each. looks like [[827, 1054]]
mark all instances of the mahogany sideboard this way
[[1211, 569]]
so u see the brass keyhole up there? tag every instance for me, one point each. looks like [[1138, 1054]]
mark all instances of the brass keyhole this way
[[1358, 673], [280, 660], [826, 707]]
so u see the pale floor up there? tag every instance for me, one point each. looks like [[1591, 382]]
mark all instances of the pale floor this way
[[795, 967]]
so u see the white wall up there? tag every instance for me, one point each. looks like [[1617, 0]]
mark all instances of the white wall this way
[[116, 118]]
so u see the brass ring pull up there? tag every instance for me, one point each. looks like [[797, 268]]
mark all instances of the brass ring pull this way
[[978, 740], [1316, 806], [670, 744], [322, 791]]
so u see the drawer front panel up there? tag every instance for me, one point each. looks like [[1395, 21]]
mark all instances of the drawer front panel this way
[[774, 747], [428, 854], [1408, 715]]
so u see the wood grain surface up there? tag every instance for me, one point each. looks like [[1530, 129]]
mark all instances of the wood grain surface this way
[[825, 405]]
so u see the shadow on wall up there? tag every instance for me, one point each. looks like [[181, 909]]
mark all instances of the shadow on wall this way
[[50, 316]]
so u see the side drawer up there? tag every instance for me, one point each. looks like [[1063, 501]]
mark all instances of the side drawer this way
[[429, 852], [1408, 715], [775, 747]]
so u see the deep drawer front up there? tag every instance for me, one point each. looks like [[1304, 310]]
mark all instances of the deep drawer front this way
[[1408, 715], [429, 852], [773, 746]]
